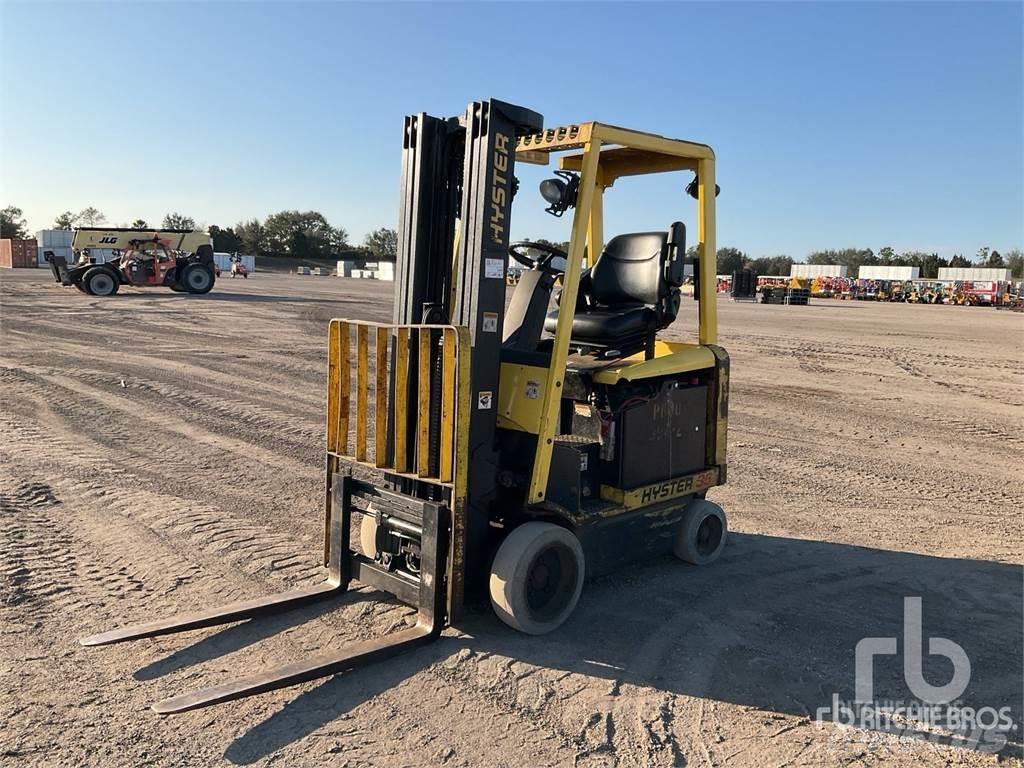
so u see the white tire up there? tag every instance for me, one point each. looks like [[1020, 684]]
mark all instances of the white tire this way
[[537, 577], [368, 536], [702, 533]]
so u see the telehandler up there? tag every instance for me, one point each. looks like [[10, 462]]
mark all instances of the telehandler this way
[[477, 453], [179, 259]]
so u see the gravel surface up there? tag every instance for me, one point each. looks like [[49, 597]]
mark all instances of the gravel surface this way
[[164, 453]]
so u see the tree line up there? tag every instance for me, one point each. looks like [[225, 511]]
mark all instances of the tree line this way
[[732, 259], [294, 234], [308, 234]]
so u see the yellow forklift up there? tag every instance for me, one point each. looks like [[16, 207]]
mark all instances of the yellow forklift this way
[[480, 455]]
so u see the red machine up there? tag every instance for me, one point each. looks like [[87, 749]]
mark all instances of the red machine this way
[[983, 292], [146, 259], [238, 268]]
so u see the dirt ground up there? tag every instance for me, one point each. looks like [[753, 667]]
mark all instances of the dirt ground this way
[[163, 453]]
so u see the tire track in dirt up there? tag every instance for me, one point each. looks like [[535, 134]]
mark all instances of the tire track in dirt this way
[[38, 564], [158, 462], [203, 530], [252, 380], [89, 403]]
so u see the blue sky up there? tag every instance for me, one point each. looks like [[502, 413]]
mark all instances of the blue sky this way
[[835, 124]]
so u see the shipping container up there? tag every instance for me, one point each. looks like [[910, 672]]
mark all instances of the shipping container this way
[[18, 254], [952, 274], [817, 270], [55, 238], [888, 273]]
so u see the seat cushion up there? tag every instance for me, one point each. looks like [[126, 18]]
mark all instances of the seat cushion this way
[[604, 326], [630, 270]]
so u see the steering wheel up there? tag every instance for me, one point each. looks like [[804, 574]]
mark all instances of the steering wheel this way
[[548, 253]]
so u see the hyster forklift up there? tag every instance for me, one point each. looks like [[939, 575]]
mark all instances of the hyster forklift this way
[[474, 452], [179, 259]]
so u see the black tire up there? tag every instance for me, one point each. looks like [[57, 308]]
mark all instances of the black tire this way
[[197, 278], [537, 577], [100, 282], [702, 533]]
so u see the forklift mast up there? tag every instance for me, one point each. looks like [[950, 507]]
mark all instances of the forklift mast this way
[[453, 235]]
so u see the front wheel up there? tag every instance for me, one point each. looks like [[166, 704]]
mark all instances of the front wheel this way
[[702, 532], [537, 577], [100, 282], [197, 278]]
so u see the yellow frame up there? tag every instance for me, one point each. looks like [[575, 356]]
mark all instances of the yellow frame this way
[[608, 153]]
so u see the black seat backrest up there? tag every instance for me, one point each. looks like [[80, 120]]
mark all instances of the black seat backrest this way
[[639, 268]]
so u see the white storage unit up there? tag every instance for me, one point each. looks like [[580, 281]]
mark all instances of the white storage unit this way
[[51, 239], [888, 273], [373, 270], [223, 260], [817, 270], [949, 274]]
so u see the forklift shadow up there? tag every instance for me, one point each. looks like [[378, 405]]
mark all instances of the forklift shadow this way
[[773, 625], [775, 622]]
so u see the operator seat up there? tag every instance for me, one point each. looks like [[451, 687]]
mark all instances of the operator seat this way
[[629, 294]]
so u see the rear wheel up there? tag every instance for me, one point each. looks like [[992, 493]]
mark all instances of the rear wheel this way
[[100, 282], [197, 278], [537, 577], [702, 533]]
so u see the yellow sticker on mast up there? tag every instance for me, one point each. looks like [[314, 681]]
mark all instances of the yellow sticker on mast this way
[[499, 188]]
